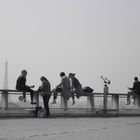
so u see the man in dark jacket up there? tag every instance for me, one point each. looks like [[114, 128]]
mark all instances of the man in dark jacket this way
[[134, 91], [136, 86], [21, 86]]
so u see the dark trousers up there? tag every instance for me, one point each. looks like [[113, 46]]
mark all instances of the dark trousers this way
[[55, 96], [27, 89], [129, 95], [73, 96], [46, 99]]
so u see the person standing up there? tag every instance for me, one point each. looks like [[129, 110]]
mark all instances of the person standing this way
[[21, 86], [45, 90], [66, 88], [134, 91]]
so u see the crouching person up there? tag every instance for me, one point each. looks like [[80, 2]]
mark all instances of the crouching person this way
[[45, 90]]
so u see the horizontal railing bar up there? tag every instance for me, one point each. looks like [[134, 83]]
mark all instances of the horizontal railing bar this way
[[105, 107], [117, 94], [14, 90], [50, 108], [71, 108], [11, 90]]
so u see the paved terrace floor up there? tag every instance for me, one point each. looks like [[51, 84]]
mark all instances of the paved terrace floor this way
[[119, 128]]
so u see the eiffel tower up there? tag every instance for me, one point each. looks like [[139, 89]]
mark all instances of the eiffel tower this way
[[6, 84]]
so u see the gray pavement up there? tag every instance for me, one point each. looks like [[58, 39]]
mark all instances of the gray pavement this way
[[119, 128]]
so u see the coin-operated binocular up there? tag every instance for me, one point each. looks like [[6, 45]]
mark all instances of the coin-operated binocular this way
[[105, 95], [106, 81]]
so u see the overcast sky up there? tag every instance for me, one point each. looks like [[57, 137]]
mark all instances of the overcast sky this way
[[88, 37]]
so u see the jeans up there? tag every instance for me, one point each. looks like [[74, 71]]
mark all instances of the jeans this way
[[46, 99]]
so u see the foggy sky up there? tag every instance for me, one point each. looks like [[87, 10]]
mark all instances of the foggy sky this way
[[88, 37]]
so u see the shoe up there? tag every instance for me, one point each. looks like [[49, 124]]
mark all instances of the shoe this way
[[54, 102], [33, 103]]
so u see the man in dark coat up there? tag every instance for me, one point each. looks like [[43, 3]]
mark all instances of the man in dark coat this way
[[136, 86], [134, 91]]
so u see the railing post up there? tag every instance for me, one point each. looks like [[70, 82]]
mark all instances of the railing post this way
[[105, 100], [137, 101], [4, 100], [36, 98], [115, 101], [63, 103], [90, 101]]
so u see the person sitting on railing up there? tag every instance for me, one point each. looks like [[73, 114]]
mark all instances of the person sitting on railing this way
[[66, 88], [45, 90], [76, 85], [21, 86], [134, 91], [57, 90]]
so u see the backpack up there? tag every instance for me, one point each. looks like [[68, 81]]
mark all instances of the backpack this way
[[39, 112], [88, 89]]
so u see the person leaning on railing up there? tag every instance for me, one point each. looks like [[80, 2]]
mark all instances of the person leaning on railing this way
[[134, 91]]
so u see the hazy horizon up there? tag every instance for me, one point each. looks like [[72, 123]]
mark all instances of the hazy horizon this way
[[88, 37]]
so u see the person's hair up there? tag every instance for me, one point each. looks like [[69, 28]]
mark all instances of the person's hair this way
[[43, 78], [136, 78], [71, 74], [62, 74], [24, 72]]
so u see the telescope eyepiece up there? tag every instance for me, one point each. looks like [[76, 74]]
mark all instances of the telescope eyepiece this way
[[105, 79]]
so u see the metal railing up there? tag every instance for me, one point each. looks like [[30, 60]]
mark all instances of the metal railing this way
[[109, 102]]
